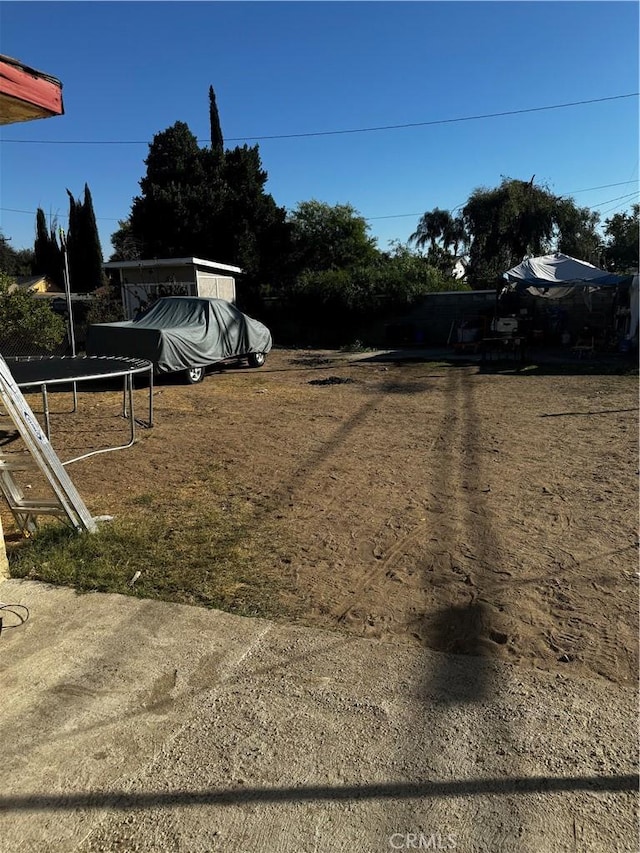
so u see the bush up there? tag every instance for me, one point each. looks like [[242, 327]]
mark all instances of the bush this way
[[27, 324], [334, 307], [105, 307]]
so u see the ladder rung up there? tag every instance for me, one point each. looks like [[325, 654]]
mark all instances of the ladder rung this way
[[23, 465], [28, 513], [37, 506]]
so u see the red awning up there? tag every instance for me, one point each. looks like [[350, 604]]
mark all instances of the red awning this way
[[27, 94]]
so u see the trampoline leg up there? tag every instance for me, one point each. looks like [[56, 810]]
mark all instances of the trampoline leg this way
[[75, 397], [129, 382], [151, 396]]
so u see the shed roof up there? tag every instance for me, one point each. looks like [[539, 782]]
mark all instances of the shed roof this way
[[170, 262]]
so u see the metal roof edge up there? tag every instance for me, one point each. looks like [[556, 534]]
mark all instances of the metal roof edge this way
[[170, 262]]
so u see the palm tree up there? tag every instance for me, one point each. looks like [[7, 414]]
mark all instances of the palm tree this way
[[454, 235], [440, 225], [431, 227]]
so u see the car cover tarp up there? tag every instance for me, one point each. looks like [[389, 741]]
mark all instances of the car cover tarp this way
[[180, 332]]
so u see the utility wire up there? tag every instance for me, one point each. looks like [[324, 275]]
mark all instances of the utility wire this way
[[388, 216], [601, 187], [629, 196], [564, 195], [438, 121], [339, 132], [617, 207], [627, 201]]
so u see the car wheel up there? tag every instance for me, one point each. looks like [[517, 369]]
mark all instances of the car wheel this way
[[194, 375], [256, 359]]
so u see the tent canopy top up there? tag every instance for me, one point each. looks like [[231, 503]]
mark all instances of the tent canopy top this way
[[559, 270]]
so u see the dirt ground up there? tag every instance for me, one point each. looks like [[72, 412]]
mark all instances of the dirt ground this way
[[485, 513]]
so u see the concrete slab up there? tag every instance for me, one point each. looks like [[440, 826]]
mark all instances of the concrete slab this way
[[134, 725]]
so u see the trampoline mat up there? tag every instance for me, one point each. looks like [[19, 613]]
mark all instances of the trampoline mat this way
[[43, 370]]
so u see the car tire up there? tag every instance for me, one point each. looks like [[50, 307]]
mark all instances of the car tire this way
[[194, 375], [256, 359]]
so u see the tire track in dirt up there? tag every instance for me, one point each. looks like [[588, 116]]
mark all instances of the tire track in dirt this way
[[433, 537], [468, 624], [465, 529]]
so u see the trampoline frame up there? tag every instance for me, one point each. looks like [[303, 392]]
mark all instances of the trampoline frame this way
[[129, 368]]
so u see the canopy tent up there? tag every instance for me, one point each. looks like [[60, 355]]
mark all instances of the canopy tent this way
[[558, 275]]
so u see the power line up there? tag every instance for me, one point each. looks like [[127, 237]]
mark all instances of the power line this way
[[627, 200], [339, 132], [437, 121], [601, 187], [564, 195], [608, 201], [388, 216], [617, 207], [66, 215]]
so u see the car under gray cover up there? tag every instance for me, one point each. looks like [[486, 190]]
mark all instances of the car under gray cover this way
[[182, 332]]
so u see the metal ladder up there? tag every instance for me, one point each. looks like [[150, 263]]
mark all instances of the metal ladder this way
[[39, 455]]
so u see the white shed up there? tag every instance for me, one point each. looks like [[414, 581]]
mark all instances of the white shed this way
[[142, 282]]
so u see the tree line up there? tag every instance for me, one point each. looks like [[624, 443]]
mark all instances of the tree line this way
[[317, 259], [498, 228]]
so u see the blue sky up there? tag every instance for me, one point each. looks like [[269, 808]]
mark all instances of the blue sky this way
[[130, 70]]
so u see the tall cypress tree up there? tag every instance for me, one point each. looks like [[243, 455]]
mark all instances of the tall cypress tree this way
[[93, 249], [74, 243], [83, 245], [217, 141], [47, 253]]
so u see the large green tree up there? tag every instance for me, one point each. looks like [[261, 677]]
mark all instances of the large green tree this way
[[330, 237], [578, 233], [622, 244], [507, 224], [252, 226], [166, 218], [205, 202], [14, 262], [126, 247]]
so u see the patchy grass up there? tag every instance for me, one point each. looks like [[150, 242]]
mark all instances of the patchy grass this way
[[210, 555]]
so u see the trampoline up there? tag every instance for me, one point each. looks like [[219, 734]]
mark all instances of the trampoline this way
[[44, 371]]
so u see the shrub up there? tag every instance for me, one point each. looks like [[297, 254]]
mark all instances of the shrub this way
[[27, 324]]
